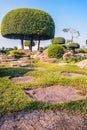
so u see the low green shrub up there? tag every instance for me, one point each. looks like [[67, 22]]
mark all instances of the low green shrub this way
[[16, 52], [81, 50], [41, 49], [55, 51], [3, 51], [75, 59]]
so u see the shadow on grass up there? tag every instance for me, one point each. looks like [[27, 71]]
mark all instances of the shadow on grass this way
[[71, 106], [11, 72]]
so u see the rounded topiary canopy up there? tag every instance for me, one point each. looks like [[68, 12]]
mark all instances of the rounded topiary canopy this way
[[58, 40], [27, 23], [74, 45]]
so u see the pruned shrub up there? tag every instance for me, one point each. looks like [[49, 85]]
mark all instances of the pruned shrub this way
[[16, 52], [73, 46], [58, 40], [55, 51]]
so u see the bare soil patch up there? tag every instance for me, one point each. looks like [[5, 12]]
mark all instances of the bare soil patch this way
[[23, 78], [40, 120], [54, 94], [72, 74]]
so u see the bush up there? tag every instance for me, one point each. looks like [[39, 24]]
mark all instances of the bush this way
[[16, 52], [58, 40], [81, 50], [3, 51], [73, 46], [41, 49], [55, 51], [75, 59]]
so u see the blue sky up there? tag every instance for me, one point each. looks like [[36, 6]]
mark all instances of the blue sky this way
[[66, 13]]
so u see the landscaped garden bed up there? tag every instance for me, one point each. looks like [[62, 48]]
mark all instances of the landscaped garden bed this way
[[48, 90]]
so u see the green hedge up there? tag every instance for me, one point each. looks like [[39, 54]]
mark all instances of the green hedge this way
[[55, 51]]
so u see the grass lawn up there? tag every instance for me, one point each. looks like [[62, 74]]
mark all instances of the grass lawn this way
[[13, 98]]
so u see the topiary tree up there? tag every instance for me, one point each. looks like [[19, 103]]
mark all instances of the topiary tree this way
[[58, 40], [27, 24], [28, 43], [74, 33], [55, 51], [73, 46]]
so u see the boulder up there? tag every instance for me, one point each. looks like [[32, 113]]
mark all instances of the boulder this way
[[50, 60], [24, 65], [67, 55], [44, 57], [82, 64], [81, 54], [15, 63]]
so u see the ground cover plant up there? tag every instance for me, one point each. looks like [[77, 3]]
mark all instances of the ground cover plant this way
[[13, 98]]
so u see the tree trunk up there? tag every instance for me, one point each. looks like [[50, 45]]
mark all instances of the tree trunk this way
[[31, 45], [73, 50], [38, 45], [22, 46], [72, 39]]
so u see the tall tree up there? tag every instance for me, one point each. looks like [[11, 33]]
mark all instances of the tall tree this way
[[27, 24], [74, 33]]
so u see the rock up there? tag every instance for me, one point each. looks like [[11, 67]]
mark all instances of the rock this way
[[82, 64], [50, 60], [4, 58], [24, 65], [15, 63], [44, 57], [81, 54], [67, 55]]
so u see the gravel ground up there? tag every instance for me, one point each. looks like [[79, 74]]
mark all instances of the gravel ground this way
[[54, 93], [23, 78], [40, 120]]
